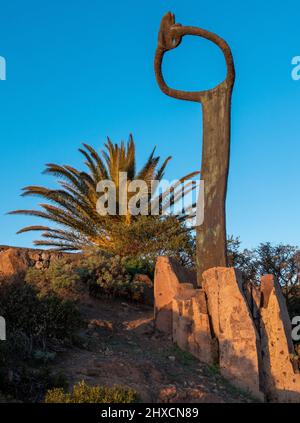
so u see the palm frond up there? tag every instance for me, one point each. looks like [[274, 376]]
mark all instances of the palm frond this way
[[72, 206]]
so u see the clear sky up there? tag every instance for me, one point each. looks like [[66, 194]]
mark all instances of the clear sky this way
[[81, 70]]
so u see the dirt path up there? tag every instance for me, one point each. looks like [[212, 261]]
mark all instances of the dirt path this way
[[120, 347]]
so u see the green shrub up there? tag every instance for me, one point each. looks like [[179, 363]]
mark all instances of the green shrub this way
[[83, 393], [36, 325], [35, 321], [30, 384], [107, 275], [135, 265], [61, 275], [99, 273]]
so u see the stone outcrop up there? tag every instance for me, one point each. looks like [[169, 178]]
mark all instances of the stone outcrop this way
[[191, 326], [282, 384], [244, 329], [171, 280], [14, 262], [232, 323]]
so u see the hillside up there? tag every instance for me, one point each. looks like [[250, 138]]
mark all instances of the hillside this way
[[119, 346]]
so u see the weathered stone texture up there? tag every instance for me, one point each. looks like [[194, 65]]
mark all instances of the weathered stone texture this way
[[281, 382], [245, 329], [170, 280], [14, 262], [181, 310], [239, 346], [201, 342], [191, 327]]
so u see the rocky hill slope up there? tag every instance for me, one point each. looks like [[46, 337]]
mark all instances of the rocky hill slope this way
[[120, 346]]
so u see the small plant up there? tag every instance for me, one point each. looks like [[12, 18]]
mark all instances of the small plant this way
[[136, 265], [214, 372], [213, 369], [184, 357], [83, 393]]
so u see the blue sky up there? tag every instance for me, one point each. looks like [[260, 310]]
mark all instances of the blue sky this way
[[79, 71]]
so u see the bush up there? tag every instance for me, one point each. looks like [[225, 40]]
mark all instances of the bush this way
[[99, 273], [36, 325], [30, 384], [35, 321], [108, 275], [58, 277], [139, 265], [83, 393]]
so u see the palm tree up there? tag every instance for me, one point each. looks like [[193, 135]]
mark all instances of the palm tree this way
[[72, 207]]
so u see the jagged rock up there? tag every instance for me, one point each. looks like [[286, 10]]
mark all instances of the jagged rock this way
[[167, 393], [280, 381], [39, 265], [34, 255], [239, 345], [250, 324], [182, 321], [45, 256], [170, 280], [201, 342], [46, 264], [253, 296], [191, 328], [13, 263], [97, 323]]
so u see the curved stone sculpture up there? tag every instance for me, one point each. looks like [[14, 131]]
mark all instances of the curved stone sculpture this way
[[216, 104]]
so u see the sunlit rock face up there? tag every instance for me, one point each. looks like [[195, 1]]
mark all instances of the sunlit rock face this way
[[171, 280], [244, 329], [14, 262], [281, 382], [232, 322]]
